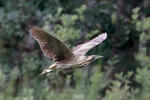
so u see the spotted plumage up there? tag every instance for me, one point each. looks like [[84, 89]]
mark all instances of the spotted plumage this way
[[64, 58], [52, 47]]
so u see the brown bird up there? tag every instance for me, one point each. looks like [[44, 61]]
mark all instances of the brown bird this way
[[64, 58]]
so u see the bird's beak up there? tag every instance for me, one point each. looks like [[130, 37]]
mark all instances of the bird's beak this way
[[46, 71], [97, 57]]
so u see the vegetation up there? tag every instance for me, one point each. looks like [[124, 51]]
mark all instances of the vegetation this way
[[123, 73]]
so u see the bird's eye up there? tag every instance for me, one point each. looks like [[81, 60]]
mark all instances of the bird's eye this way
[[93, 58]]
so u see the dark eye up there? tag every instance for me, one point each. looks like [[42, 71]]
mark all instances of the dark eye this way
[[93, 57]]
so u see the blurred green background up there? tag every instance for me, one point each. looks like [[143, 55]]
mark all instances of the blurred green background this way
[[123, 73]]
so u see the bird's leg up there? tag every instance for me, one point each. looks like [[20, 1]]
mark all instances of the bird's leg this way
[[52, 66], [49, 69], [45, 71]]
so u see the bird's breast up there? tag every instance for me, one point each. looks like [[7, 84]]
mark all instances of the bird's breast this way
[[69, 63]]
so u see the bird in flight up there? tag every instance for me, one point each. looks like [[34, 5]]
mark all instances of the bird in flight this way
[[63, 57]]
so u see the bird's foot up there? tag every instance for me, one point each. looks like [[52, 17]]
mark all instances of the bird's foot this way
[[45, 71]]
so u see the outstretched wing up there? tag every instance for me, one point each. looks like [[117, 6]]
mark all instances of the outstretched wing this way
[[85, 47], [51, 46]]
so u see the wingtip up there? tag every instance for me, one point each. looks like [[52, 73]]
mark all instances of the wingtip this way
[[104, 35], [33, 28], [30, 27]]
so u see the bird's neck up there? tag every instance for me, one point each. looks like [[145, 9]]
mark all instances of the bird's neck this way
[[80, 58], [83, 61]]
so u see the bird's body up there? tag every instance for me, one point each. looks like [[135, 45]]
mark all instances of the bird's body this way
[[77, 61], [64, 58]]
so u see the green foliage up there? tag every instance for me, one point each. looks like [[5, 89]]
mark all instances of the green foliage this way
[[118, 93]]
